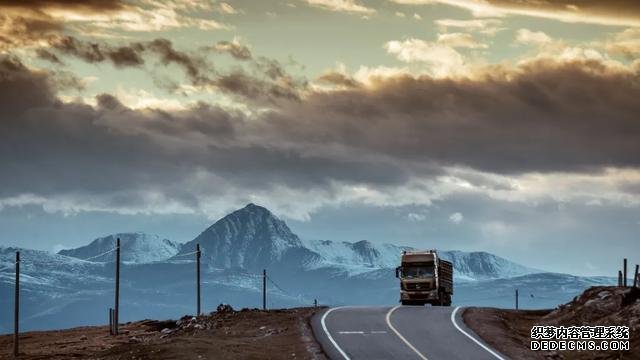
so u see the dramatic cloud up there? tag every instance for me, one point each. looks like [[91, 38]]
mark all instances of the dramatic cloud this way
[[233, 48], [24, 22], [110, 157], [266, 80], [395, 140], [543, 115], [93, 52], [606, 12], [19, 31], [348, 6], [443, 60], [626, 43]]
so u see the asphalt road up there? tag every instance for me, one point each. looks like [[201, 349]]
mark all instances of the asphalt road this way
[[401, 332]]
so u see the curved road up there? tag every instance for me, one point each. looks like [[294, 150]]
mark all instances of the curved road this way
[[401, 332]]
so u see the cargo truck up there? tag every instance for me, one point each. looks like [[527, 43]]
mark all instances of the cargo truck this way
[[425, 278]]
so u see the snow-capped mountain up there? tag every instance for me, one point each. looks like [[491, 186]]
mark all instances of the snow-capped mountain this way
[[363, 256], [357, 257], [480, 265], [251, 238], [137, 248]]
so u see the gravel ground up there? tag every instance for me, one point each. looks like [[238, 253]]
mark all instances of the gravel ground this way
[[224, 334]]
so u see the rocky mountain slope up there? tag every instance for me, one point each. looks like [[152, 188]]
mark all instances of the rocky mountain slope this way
[[251, 238]]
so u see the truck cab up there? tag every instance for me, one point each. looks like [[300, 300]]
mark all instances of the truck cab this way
[[425, 278]]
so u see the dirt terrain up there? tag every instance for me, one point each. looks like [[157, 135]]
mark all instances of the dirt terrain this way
[[509, 331], [224, 334]]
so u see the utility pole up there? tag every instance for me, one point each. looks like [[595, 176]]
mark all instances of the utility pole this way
[[116, 312], [110, 321], [264, 289], [16, 306], [635, 277], [198, 277], [619, 277], [516, 299], [624, 275]]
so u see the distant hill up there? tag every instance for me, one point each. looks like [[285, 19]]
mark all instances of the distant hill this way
[[138, 248]]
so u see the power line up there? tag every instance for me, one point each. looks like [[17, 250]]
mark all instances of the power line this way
[[187, 254], [278, 286], [99, 255]]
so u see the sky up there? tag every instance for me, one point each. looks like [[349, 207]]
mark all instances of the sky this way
[[507, 126]]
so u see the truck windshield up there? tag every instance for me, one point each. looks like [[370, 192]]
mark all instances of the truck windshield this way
[[413, 272]]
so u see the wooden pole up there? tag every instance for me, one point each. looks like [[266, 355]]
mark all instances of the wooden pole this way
[[110, 321], [516, 299], [116, 311], [619, 278], [16, 307], [624, 275], [264, 289], [635, 277], [198, 278]]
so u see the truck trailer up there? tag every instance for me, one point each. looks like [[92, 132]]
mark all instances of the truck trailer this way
[[425, 278]]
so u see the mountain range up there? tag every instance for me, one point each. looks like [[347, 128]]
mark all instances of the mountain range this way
[[75, 286]]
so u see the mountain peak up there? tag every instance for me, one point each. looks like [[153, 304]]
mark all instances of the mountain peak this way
[[250, 238], [252, 208]]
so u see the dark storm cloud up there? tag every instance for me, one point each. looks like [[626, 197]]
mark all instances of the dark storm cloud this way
[[266, 80], [194, 67], [49, 148], [47, 55], [95, 52], [251, 87], [542, 116]]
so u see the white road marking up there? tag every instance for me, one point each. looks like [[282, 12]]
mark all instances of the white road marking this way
[[324, 328], [400, 335], [453, 320], [361, 332]]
